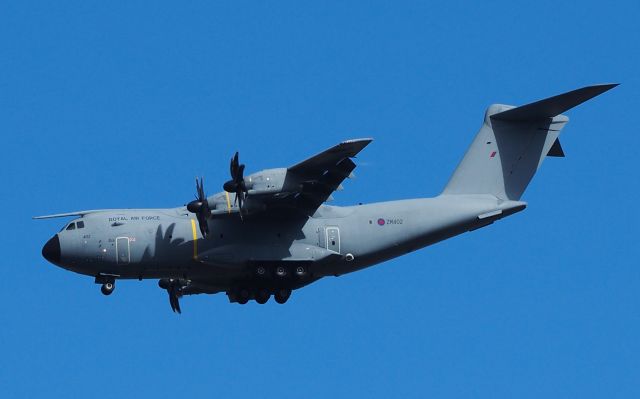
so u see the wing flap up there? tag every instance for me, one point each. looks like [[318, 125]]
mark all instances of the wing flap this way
[[324, 173]]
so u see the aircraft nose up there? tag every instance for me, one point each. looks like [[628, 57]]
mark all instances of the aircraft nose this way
[[51, 250]]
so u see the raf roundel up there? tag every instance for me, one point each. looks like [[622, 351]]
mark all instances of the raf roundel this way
[[381, 222]]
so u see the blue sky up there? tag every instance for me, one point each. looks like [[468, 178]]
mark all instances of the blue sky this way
[[108, 105]]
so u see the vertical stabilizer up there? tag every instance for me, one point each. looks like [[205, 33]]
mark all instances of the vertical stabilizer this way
[[513, 142]]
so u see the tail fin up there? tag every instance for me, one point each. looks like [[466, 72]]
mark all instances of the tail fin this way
[[513, 142]]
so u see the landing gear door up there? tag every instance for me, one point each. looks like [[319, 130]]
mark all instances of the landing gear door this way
[[333, 239], [122, 250]]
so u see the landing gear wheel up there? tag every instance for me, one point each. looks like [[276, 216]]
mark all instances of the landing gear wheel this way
[[262, 296], [107, 288], [281, 271], [243, 296], [282, 295], [301, 271]]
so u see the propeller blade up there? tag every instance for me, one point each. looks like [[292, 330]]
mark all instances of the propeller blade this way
[[240, 208], [240, 198], [236, 185], [174, 301], [202, 223], [234, 166], [201, 194], [240, 175], [173, 288], [200, 206]]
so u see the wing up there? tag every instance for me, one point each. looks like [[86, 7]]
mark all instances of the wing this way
[[322, 174], [76, 213]]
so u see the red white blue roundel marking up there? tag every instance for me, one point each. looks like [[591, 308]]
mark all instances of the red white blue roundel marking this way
[[381, 222]]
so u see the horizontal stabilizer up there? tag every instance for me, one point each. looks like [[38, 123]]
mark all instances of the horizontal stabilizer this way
[[552, 106], [556, 150]]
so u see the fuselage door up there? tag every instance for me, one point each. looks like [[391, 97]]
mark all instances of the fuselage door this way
[[333, 239], [122, 249]]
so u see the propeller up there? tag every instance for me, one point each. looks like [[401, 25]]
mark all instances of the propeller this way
[[174, 289], [236, 185], [200, 206]]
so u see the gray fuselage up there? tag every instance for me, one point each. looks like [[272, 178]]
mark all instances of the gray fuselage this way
[[165, 243]]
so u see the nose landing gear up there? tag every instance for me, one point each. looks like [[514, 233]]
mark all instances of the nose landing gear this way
[[107, 288], [108, 283]]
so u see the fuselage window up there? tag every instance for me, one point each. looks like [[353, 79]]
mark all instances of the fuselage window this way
[[71, 226], [81, 224]]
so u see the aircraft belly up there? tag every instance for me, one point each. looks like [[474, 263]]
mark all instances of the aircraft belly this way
[[379, 232], [354, 238]]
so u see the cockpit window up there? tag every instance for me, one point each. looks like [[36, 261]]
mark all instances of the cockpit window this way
[[80, 224], [71, 226]]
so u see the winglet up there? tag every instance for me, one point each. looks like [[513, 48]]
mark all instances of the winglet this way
[[552, 106]]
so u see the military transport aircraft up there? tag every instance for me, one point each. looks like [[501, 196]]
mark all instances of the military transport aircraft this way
[[270, 232]]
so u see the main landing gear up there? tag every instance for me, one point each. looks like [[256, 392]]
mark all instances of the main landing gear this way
[[282, 295], [268, 280], [260, 295], [243, 296]]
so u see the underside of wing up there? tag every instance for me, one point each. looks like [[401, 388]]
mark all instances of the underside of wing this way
[[322, 174], [317, 164]]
